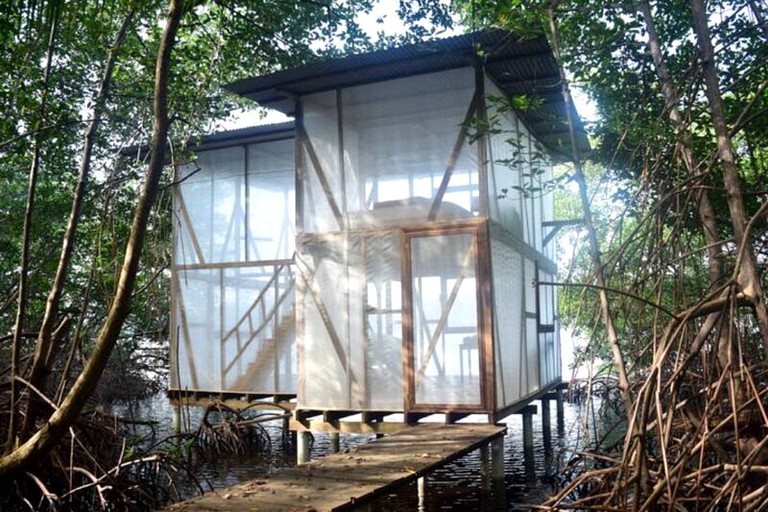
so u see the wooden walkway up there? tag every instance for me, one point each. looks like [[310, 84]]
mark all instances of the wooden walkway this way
[[341, 481]]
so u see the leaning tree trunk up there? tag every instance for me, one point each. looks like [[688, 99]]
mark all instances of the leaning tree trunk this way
[[671, 104], [12, 440], [44, 349], [747, 274], [594, 248], [58, 423]]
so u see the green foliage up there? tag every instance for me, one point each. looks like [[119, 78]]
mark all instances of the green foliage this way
[[219, 41], [645, 202]]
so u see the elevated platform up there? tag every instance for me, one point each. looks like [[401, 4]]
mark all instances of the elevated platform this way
[[343, 481]]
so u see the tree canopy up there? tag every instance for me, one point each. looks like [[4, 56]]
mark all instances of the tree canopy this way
[[680, 89], [85, 228], [672, 289]]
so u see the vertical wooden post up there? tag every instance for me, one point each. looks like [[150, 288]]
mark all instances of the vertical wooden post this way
[[334, 438], [560, 412], [302, 447]]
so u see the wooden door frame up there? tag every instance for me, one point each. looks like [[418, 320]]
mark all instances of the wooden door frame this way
[[478, 229]]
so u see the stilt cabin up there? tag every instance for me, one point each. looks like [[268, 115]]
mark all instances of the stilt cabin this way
[[380, 253]]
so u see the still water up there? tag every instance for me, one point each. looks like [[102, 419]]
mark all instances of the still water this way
[[454, 487]]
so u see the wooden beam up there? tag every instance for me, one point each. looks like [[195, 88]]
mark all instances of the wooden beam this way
[[453, 417], [307, 143], [334, 416], [558, 225], [454, 158], [373, 417], [414, 417]]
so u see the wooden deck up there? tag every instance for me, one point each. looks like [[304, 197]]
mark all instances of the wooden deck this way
[[343, 480]]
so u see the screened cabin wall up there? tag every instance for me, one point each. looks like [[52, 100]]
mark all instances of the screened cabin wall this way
[[373, 158], [396, 277], [233, 297], [525, 331], [399, 243]]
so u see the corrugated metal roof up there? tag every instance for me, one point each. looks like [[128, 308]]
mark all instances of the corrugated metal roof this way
[[259, 133], [518, 66]]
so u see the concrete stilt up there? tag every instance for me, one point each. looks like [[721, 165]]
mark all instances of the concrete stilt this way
[[498, 489], [302, 447], [334, 438], [546, 427], [176, 420], [560, 412], [287, 432], [497, 459], [528, 441], [485, 470], [421, 486]]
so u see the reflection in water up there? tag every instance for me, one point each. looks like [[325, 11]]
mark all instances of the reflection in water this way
[[456, 486]]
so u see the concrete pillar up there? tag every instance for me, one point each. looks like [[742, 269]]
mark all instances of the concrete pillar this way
[[287, 434], [498, 489], [546, 427], [302, 447], [176, 420], [497, 459], [421, 486], [334, 438], [528, 442], [485, 471]]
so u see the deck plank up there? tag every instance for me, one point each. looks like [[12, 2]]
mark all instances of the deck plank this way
[[342, 480]]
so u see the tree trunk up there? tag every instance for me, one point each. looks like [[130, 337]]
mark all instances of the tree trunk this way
[[56, 426], [12, 440], [594, 247], [747, 274], [44, 349], [669, 91]]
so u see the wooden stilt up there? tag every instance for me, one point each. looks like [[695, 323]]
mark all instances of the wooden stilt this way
[[560, 411]]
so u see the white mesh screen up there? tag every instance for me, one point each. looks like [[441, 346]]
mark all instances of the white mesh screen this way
[[396, 139], [212, 191], [519, 175], [352, 321], [271, 201], [446, 356], [234, 318], [321, 158], [509, 328], [197, 361]]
